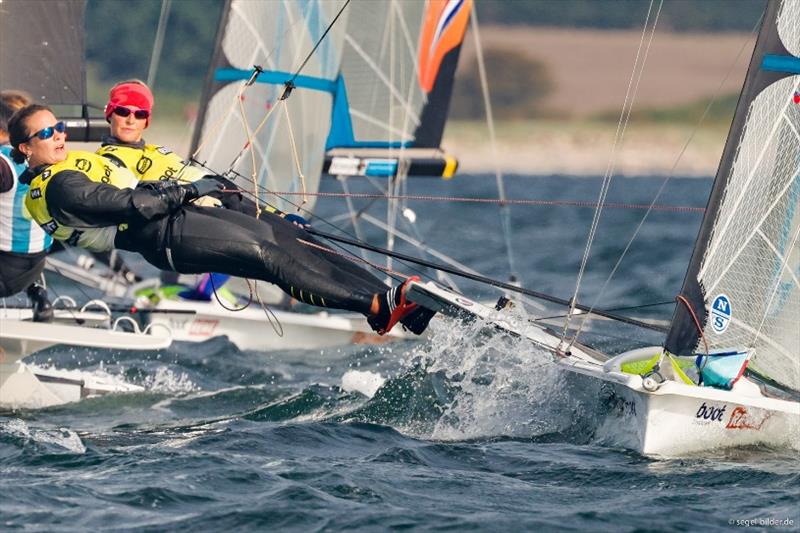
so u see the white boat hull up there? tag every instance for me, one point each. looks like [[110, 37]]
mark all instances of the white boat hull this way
[[674, 420], [22, 387], [679, 419], [250, 329]]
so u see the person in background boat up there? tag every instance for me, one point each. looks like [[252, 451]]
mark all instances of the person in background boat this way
[[88, 200], [23, 244]]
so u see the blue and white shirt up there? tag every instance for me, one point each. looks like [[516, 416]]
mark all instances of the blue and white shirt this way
[[18, 232]]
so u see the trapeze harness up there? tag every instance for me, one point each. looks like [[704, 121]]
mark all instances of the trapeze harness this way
[[88, 198], [151, 162]]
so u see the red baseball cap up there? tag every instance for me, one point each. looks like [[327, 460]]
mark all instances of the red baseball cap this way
[[129, 93]]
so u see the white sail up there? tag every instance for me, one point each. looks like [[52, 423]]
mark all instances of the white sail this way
[[277, 36], [750, 268]]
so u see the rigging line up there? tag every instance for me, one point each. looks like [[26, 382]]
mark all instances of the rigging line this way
[[299, 208], [300, 68], [671, 172], [615, 309], [619, 135], [523, 201], [486, 280], [505, 210], [155, 57]]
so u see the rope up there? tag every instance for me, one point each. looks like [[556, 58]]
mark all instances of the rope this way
[[277, 327], [353, 258], [685, 302], [622, 125], [463, 199], [671, 173], [505, 210], [294, 155]]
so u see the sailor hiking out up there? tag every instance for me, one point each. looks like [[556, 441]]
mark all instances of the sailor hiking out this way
[[96, 203]]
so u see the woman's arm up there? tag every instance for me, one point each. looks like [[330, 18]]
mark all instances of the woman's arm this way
[[75, 200]]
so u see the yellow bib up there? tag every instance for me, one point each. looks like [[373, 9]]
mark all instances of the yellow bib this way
[[95, 167], [152, 162]]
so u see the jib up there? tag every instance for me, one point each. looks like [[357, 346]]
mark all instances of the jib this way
[[709, 412]]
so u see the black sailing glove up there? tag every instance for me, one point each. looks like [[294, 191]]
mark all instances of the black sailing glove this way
[[153, 199], [201, 187]]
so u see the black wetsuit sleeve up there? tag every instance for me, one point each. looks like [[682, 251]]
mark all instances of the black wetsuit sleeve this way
[[75, 200], [6, 177]]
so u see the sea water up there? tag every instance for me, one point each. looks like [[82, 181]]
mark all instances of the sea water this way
[[465, 431]]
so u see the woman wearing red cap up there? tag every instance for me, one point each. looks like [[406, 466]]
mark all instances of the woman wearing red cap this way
[[89, 201], [128, 112]]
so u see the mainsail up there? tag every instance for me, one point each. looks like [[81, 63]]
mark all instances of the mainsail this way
[[276, 36], [393, 91], [42, 52], [743, 282], [41, 49]]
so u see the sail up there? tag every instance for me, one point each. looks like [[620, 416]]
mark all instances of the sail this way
[[743, 281], [393, 91], [278, 37], [42, 49], [42, 52]]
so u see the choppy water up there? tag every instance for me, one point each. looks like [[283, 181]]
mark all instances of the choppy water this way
[[468, 432]]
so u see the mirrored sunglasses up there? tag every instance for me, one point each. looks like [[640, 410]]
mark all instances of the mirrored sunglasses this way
[[46, 133], [141, 114]]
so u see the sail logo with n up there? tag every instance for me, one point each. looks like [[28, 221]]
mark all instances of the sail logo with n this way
[[720, 313]]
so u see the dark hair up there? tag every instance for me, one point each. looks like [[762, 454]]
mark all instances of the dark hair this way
[[10, 102], [18, 131]]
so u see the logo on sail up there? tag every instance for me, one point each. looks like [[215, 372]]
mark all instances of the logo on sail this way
[[720, 313]]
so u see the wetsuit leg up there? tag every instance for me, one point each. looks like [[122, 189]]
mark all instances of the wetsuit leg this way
[[220, 240], [19, 271]]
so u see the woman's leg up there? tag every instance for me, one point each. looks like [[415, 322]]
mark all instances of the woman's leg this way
[[219, 240], [19, 271]]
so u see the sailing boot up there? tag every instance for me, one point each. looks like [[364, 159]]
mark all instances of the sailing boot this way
[[417, 320], [393, 307], [42, 308]]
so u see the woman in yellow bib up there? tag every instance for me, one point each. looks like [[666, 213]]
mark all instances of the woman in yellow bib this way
[[91, 201], [128, 112]]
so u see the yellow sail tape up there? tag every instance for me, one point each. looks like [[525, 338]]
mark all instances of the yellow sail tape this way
[[641, 367], [676, 367], [450, 166]]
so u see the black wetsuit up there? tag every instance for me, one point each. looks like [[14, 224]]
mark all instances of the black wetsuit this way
[[193, 240], [19, 271]]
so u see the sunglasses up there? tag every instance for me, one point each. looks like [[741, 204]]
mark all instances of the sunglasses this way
[[46, 133], [140, 114]]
